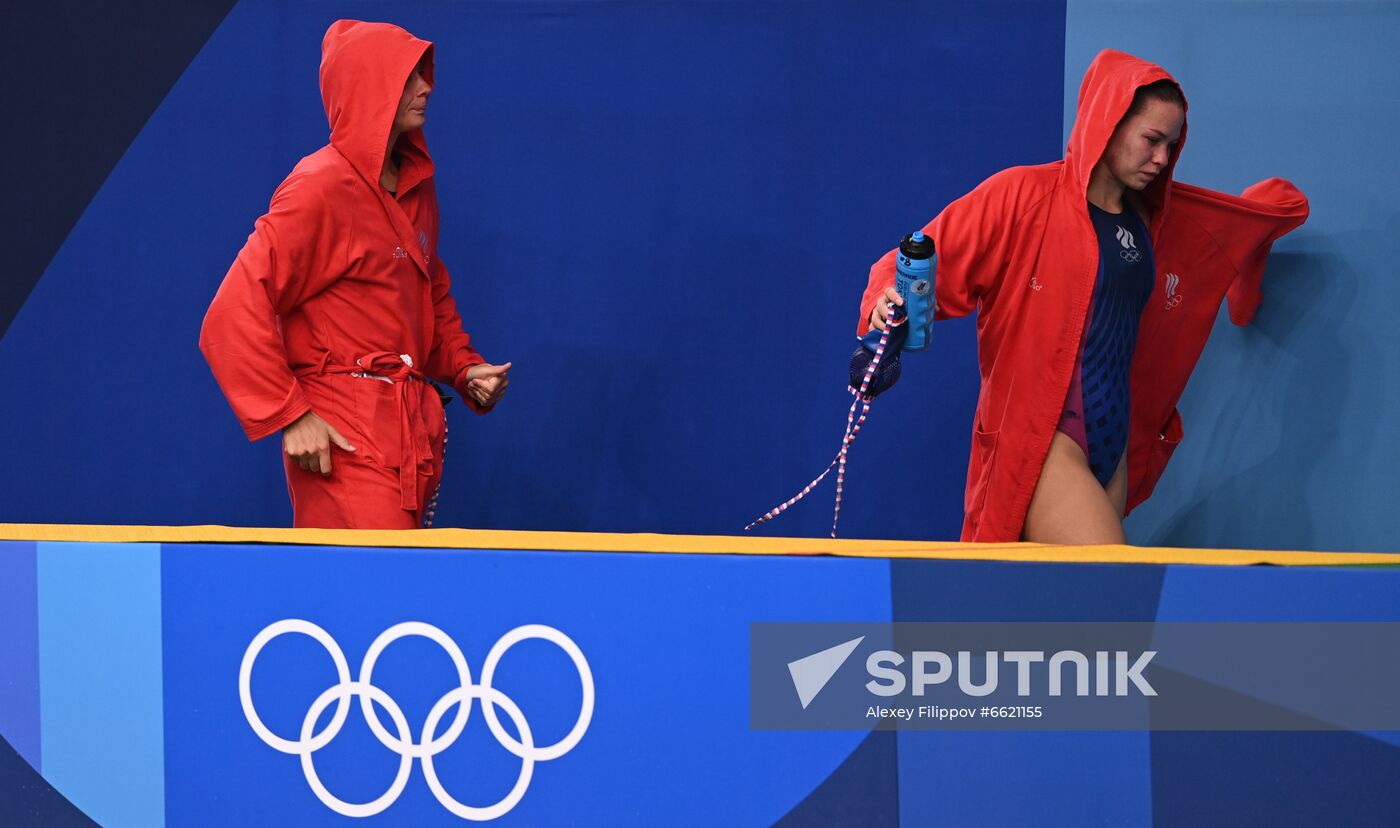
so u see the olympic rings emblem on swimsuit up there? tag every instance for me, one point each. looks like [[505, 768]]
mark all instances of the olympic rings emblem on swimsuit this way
[[430, 743]]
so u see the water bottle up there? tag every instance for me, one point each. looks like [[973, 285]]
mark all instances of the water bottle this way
[[914, 273], [914, 279]]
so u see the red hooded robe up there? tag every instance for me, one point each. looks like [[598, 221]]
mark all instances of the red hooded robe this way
[[341, 277], [1021, 250]]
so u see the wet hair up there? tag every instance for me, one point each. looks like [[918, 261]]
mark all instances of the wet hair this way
[[1163, 90]]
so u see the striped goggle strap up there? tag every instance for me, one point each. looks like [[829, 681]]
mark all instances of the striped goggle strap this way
[[853, 424]]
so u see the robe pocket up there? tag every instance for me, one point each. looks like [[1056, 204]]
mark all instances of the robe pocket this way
[[984, 449], [1168, 438], [376, 414]]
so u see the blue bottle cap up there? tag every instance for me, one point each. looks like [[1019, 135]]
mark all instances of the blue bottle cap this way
[[917, 237]]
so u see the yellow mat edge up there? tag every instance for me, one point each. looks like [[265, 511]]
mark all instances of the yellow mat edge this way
[[687, 544]]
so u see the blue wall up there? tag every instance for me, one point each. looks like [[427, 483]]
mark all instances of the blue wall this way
[[1289, 440], [667, 639], [663, 214]]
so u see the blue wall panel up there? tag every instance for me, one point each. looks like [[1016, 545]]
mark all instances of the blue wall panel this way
[[101, 705], [143, 720], [665, 636], [1007, 778], [19, 649], [1291, 778]]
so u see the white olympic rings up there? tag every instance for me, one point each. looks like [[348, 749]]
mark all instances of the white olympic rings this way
[[430, 744]]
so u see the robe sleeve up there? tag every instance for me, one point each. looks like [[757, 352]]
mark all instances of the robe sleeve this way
[[290, 256], [1245, 228], [970, 238], [452, 353]]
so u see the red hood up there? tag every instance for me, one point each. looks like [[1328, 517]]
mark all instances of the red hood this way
[[1104, 97], [364, 67]]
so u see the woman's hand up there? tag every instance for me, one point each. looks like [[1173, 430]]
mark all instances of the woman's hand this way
[[879, 316], [308, 441], [487, 383]]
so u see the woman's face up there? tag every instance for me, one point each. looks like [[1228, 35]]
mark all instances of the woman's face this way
[[413, 104], [1143, 143]]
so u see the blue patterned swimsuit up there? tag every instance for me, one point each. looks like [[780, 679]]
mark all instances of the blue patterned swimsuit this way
[[1096, 408]]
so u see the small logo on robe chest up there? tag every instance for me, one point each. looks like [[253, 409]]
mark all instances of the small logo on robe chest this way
[[423, 245], [1173, 281]]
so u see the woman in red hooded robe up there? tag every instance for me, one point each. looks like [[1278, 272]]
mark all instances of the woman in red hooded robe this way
[[1084, 355], [337, 311]]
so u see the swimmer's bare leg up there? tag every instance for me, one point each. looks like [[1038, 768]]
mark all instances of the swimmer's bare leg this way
[[1069, 506]]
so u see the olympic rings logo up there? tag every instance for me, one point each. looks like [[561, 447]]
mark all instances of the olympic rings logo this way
[[1173, 281], [430, 743]]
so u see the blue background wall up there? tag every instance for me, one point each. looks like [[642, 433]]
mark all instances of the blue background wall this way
[[663, 214]]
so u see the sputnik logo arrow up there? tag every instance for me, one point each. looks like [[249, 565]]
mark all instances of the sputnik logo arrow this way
[[811, 673]]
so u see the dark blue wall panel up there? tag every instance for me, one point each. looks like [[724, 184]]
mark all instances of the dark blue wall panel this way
[[80, 80]]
